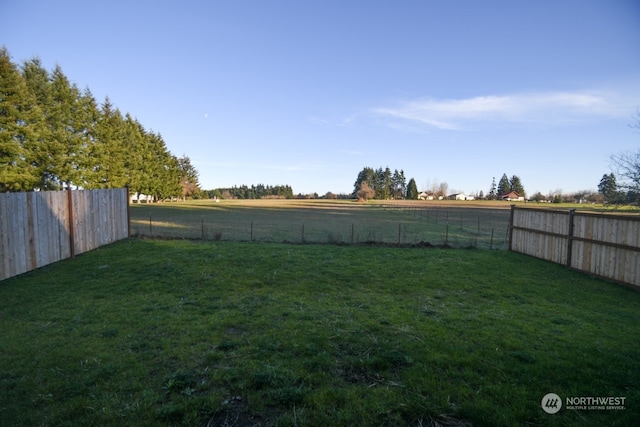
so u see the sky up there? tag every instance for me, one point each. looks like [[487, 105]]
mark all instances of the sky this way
[[308, 93]]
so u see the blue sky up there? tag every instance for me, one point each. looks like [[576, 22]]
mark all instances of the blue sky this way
[[307, 93]]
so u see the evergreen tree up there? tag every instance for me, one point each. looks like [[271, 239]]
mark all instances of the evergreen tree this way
[[412, 190], [109, 150], [398, 184], [166, 179], [64, 142], [504, 186], [516, 185], [609, 189], [378, 184], [384, 190], [135, 144], [20, 126], [38, 82], [493, 190], [52, 135], [189, 178], [367, 175], [87, 116]]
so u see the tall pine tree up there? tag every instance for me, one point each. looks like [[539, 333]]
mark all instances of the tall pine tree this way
[[52, 135], [504, 186], [412, 190], [516, 185], [493, 190], [20, 125], [65, 142]]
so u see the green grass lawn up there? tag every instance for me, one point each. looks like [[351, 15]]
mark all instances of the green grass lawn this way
[[149, 332], [326, 221]]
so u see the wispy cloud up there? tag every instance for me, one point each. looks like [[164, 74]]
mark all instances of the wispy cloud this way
[[547, 108], [319, 121]]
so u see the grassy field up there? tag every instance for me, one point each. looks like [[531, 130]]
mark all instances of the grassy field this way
[[482, 225], [174, 332], [458, 224]]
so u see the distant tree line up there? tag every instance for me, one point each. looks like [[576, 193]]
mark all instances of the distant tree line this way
[[259, 191], [54, 135], [382, 184]]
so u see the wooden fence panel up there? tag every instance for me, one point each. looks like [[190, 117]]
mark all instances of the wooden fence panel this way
[[49, 240], [38, 228], [604, 245], [540, 236], [100, 218]]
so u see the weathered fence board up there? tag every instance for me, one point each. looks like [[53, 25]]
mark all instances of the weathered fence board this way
[[38, 228], [604, 245]]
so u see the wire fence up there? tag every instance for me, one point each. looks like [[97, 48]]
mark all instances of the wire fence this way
[[386, 224]]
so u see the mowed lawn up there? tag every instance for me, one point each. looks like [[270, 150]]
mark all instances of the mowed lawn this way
[[157, 332]]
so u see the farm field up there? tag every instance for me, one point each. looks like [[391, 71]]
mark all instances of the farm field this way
[[482, 225], [219, 333]]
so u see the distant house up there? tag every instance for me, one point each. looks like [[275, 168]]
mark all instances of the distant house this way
[[512, 196], [425, 196], [139, 198], [460, 196]]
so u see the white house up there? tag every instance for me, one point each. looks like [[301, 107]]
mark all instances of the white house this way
[[457, 196], [425, 196], [460, 196], [138, 198]]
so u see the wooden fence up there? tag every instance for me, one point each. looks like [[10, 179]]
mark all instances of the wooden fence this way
[[38, 228], [604, 245]]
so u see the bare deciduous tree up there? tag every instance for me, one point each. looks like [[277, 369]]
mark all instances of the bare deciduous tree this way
[[365, 192], [626, 166]]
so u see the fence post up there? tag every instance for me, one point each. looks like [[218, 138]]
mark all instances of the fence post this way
[[513, 208], [128, 213], [352, 233], [399, 225], [572, 212], [446, 236], [491, 242], [71, 232], [31, 228]]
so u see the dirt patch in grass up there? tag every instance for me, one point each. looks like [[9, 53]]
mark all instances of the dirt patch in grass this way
[[236, 413]]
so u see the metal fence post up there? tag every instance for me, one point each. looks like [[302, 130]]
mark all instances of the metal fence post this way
[[513, 208], [72, 240], [572, 213]]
